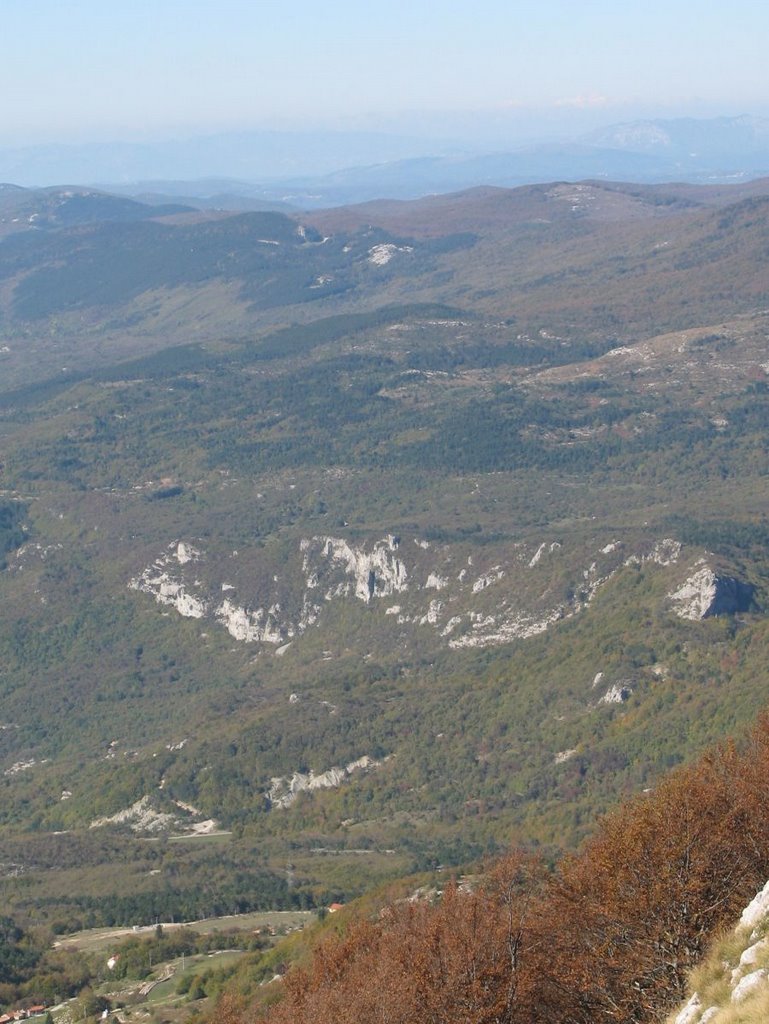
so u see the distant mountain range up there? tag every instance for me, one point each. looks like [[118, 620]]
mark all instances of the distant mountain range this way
[[719, 139], [248, 156], [269, 170]]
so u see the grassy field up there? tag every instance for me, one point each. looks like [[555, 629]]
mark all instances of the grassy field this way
[[95, 940], [165, 992]]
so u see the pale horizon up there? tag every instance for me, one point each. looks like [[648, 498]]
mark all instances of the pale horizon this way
[[89, 72]]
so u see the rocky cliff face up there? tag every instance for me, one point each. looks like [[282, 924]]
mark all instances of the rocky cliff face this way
[[706, 592], [149, 816], [479, 599], [364, 574], [482, 599]]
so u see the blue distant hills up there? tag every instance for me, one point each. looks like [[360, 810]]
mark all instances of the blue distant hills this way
[[311, 170]]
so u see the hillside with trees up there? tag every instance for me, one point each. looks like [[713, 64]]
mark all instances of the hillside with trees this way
[[609, 934], [360, 547]]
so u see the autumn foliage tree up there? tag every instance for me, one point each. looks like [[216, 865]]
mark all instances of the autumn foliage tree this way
[[607, 937], [639, 904], [455, 960]]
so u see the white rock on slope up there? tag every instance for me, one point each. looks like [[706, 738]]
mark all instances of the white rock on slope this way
[[250, 626], [742, 986], [695, 597], [170, 592], [706, 592], [616, 694], [140, 817], [436, 582], [749, 957], [158, 581], [518, 627], [186, 553], [494, 574], [756, 910], [285, 789], [333, 567], [692, 1012], [380, 255], [537, 555], [433, 614], [665, 552], [376, 573], [748, 984]]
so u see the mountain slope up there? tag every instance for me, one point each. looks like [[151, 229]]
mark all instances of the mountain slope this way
[[607, 935], [584, 263], [462, 548]]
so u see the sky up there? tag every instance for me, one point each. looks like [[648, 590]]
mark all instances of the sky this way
[[112, 69]]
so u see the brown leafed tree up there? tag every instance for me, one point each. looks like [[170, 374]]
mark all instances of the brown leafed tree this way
[[606, 939], [637, 907], [460, 960]]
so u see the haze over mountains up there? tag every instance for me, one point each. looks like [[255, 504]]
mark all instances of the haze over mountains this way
[[313, 170]]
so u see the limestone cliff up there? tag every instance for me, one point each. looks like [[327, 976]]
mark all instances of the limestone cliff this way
[[488, 597], [706, 592]]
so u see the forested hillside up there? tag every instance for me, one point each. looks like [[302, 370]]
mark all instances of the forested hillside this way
[[341, 549], [609, 935]]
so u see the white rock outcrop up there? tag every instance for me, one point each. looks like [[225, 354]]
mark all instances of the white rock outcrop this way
[[747, 983], [435, 582], [564, 755], [514, 599], [705, 593], [451, 625], [23, 766], [692, 1012], [756, 910], [696, 596], [433, 614], [250, 626], [186, 553], [516, 627], [158, 581], [140, 817], [665, 552], [284, 790], [379, 572], [617, 694], [749, 958], [534, 560], [494, 574], [380, 255]]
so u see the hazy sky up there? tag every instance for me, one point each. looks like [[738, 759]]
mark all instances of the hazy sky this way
[[88, 69]]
